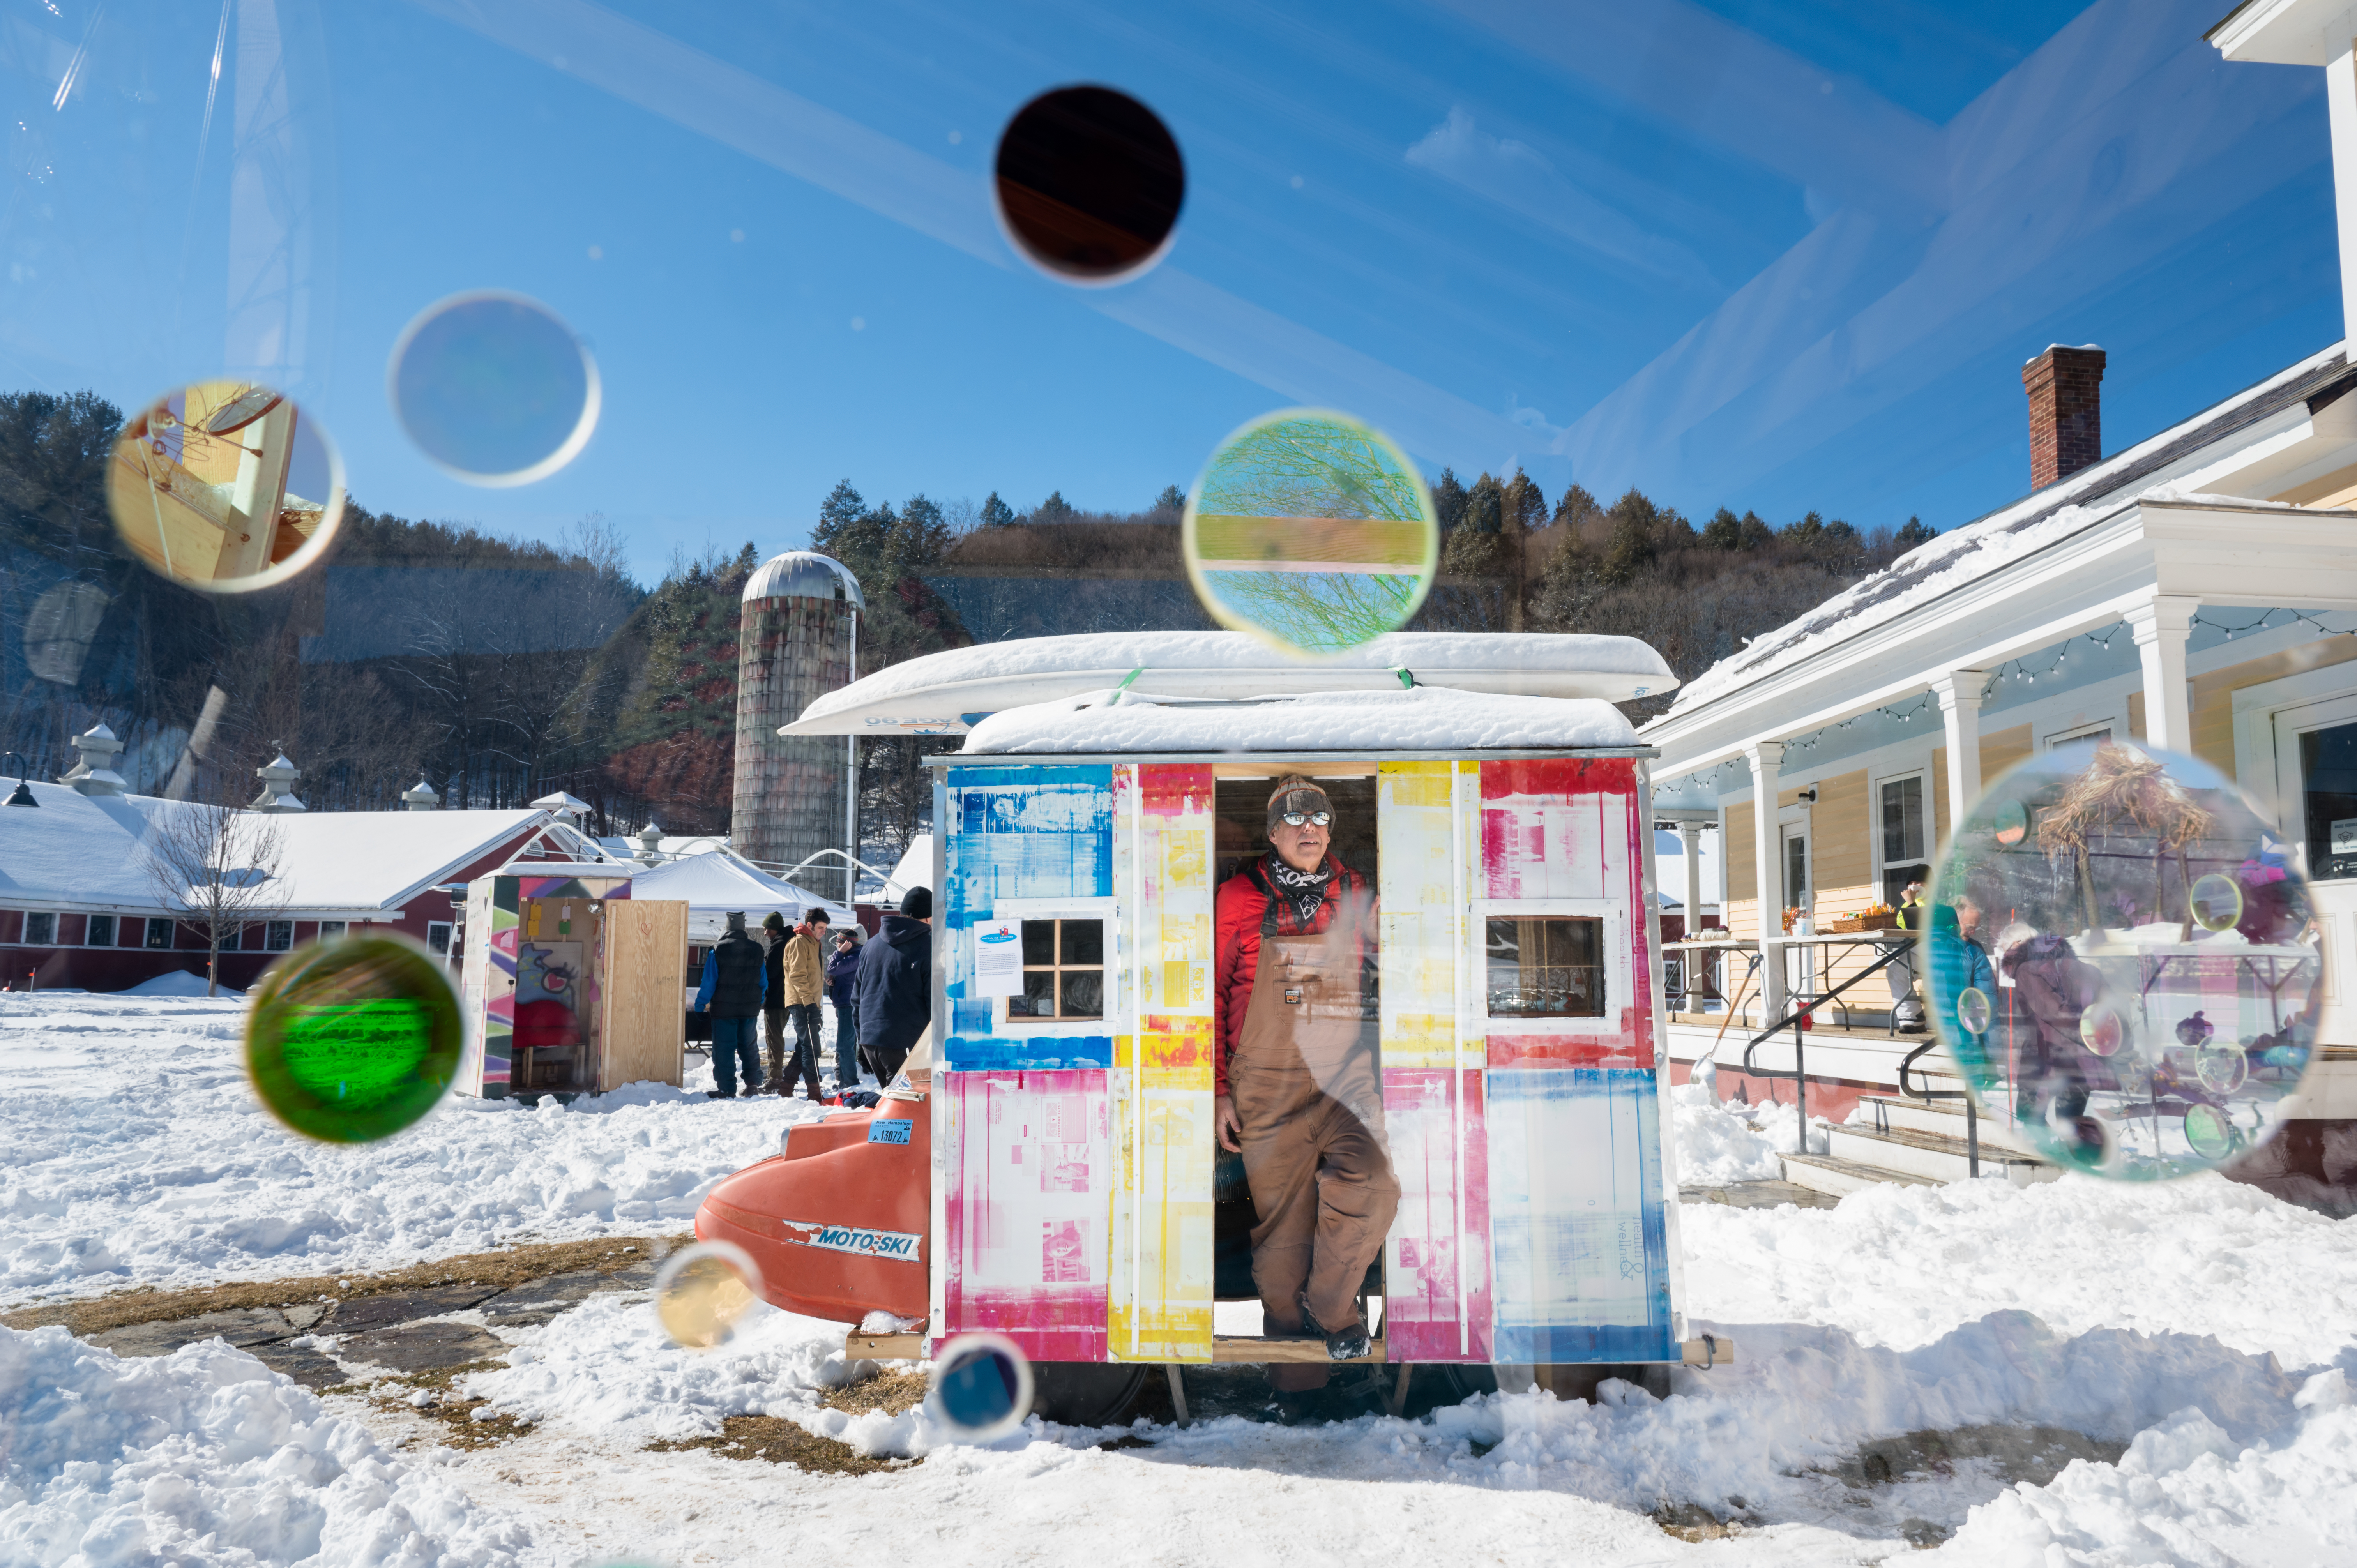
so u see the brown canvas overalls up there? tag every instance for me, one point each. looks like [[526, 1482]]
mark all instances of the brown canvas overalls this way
[[1311, 1104]]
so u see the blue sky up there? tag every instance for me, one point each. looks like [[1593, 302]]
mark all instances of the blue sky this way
[[1780, 256]]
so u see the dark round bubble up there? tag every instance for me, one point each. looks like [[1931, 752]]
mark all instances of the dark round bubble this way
[[354, 1039], [1311, 531], [494, 388], [981, 1388], [2124, 962], [225, 486], [1089, 184]]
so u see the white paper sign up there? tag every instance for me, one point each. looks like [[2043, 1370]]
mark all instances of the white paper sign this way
[[998, 958]]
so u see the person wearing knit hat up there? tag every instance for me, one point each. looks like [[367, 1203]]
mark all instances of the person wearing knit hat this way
[[894, 985], [1297, 1088]]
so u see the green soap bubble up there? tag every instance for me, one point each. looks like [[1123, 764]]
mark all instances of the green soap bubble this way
[[2209, 1133], [1312, 531], [353, 1039], [2217, 902], [1973, 1011]]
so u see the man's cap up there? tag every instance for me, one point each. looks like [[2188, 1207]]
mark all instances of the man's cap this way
[[735, 920], [773, 922], [917, 903], [1297, 794]]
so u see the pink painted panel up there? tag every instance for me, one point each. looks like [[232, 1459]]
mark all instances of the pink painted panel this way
[[1436, 1295], [1028, 1181]]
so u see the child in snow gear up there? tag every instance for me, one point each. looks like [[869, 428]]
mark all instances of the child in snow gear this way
[[735, 985], [1298, 1091]]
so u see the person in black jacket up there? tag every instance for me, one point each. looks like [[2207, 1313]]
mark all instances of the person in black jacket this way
[[842, 985], [733, 991], [896, 985]]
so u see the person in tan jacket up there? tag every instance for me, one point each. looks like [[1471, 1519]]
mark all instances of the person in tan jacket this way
[[804, 977]]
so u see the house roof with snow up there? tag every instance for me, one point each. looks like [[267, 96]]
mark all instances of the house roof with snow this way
[[1425, 719], [79, 851], [2305, 406]]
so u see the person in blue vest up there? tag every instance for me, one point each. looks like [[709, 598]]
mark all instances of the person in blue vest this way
[[734, 987]]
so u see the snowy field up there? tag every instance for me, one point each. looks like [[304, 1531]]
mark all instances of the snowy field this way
[[2206, 1326]]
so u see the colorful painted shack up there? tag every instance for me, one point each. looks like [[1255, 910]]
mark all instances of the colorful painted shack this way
[[569, 985], [1080, 1205]]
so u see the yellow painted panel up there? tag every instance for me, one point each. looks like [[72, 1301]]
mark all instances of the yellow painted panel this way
[[1159, 1289], [1422, 890]]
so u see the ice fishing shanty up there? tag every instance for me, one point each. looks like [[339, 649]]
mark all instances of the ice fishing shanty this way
[[1074, 1199]]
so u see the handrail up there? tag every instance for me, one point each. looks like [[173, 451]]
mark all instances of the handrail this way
[[1927, 1094], [1792, 1020]]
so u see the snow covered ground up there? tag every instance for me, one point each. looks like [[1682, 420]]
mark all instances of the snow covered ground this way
[[2210, 1329]]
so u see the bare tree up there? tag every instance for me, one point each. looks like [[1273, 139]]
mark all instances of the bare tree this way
[[221, 866]]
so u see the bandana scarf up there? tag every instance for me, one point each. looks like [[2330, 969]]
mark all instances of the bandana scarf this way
[[1305, 890]]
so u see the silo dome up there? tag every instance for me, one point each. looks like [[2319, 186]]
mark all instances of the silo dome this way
[[803, 574]]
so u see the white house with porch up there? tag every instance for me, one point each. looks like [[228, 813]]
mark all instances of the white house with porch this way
[[2196, 591]]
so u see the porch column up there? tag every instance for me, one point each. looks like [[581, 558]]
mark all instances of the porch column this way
[[1768, 873], [2160, 626], [1690, 852], [1959, 692]]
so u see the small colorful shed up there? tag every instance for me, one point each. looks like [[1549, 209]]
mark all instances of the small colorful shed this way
[[570, 985]]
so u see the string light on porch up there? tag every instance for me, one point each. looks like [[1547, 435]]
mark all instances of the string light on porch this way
[[2018, 670], [1903, 716], [2267, 615]]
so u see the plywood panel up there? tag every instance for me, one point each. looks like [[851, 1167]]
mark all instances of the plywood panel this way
[[1437, 1299], [2000, 750], [1158, 1300], [646, 970], [1422, 889], [1025, 1243], [1841, 858]]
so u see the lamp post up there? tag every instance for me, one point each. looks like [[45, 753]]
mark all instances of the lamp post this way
[[23, 793]]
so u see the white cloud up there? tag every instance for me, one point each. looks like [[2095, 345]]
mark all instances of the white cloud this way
[[1519, 177]]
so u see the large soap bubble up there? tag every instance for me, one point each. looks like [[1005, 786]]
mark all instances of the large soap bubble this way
[[225, 486], [1312, 531], [2122, 960], [494, 388], [981, 1388], [353, 1038], [704, 1292]]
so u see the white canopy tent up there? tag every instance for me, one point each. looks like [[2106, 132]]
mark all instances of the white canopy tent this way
[[718, 882]]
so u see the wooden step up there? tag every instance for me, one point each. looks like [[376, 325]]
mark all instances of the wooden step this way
[[1824, 1173], [1945, 1117], [1930, 1156]]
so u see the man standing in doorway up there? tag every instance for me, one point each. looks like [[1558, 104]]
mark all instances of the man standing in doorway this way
[[896, 985], [1297, 1090], [805, 977], [735, 985]]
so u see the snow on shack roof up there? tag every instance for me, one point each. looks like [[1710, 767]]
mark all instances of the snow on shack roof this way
[[943, 692], [1966, 554], [1429, 718]]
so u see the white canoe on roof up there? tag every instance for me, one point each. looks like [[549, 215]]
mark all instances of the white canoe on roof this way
[[949, 692]]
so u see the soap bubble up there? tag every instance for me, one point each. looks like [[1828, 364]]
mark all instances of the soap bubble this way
[[225, 486], [494, 388], [703, 1292], [1088, 184], [1311, 531], [2149, 1004], [353, 1038], [981, 1388]]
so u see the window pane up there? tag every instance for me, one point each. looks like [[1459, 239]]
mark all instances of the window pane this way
[[281, 936], [102, 931], [1084, 993], [1038, 942], [2328, 768], [1902, 820], [159, 934], [1084, 941], [438, 936], [1546, 968], [1796, 873], [1039, 998], [40, 929], [331, 927]]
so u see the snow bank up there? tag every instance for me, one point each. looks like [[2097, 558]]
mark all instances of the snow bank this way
[[1902, 1266], [2187, 1492], [138, 1155], [177, 982], [207, 1456], [1720, 1142]]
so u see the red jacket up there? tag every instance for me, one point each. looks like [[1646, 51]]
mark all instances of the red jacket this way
[[1240, 915]]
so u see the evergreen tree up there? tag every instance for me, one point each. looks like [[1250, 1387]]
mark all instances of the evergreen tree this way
[[843, 509], [1055, 508], [1449, 500], [1172, 499], [1753, 531], [1525, 505], [1912, 534], [1577, 509], [1723, 532], [997, 513], [1485, 506]]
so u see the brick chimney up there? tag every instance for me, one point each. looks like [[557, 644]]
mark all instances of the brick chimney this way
[[2066, 412]]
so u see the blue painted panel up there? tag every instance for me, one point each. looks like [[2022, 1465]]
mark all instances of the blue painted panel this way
[[1032, 1053], [1578, 1242]]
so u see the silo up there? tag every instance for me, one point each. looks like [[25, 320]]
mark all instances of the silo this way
[[798, 638]]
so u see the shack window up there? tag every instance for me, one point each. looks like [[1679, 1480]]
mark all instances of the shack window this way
[[330, 928], [40, 929], [159, 932], [438, 936], [1063, 971], [101, 933], [277, 935], [1546, 968]]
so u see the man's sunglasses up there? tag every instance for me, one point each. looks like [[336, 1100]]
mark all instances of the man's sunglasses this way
[[1315, 818]]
